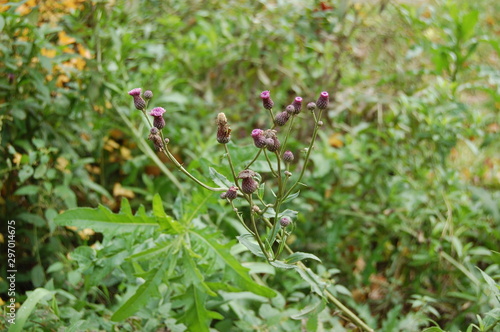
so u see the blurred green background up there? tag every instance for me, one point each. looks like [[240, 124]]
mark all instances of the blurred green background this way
[[404, 187]]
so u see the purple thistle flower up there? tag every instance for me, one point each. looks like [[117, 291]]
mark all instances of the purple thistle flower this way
[[297, 105], [322, 102], [139, 103], [135, 92], [267, 102], [258, 138], [157, 114]]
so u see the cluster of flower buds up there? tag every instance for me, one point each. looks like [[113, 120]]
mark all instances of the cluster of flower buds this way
[[266, 139], [140, 103]]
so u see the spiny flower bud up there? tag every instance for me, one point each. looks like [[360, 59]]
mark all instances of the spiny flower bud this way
[[288, 156], [288, 174], [157, 114], [322, 102], [139, 103], [156, 139], [311, 106], [223, 130], [258, 138], [223, 195], [297, 105], [281, 118], [248, 183], [232, 193], [267, 102], [154, 131], [285, 221], [273, 144], [290, 109], [148, 94]]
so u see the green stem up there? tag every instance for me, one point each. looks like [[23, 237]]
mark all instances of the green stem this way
[[257, 236], [270, 165], [313, 139], [241, 219], [231, 166], [254, 159]]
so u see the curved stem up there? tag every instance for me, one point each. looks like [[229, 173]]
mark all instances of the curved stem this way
[[254, 159], [270, 165]]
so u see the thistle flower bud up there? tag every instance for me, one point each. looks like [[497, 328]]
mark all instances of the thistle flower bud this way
[[322, 102], [290, 109], [148, 94], [288, 174], [156, 139], [154, 131], [258, 138], [231, 193], [157, 114], [311, 106], [273, 144], [223, 195], [223, 130], [288, 156], [282, 118], [248, 183], [297, 105], [285, 221], [139, 103], [256, 209], [267, 102]]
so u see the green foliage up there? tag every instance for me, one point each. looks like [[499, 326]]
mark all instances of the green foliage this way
[[401, 203]]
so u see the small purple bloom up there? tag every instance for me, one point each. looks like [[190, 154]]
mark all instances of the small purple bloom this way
[[135, 92], [297, 104], [258, 138], [157, 111], [267, 102], [322, 102]]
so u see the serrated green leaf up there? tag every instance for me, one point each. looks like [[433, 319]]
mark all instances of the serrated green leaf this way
[[317, 285], [310, 310], [167, 223], [219, 179], [192, 274], [104, 220], [283, 265], [197, 317], [142, 295], [236, 273], [298, 256], [249, 242]]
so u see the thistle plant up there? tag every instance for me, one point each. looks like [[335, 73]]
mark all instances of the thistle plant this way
[[268, 223]]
